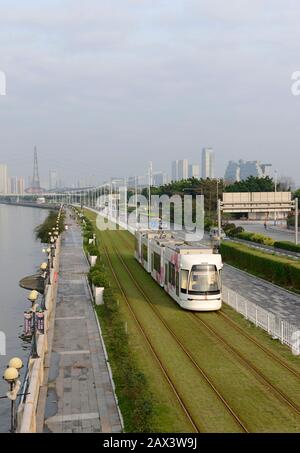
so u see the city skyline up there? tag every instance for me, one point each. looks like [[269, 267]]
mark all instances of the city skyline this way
[[181, 84]]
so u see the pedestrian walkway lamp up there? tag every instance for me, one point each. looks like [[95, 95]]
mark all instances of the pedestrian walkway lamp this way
[[52, 250], [11, 376], [33, 296], [44, 269], [49, 265]]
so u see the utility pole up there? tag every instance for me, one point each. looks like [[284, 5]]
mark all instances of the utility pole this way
[[219, 220], [296, 220], [149, 192], [275, 213]]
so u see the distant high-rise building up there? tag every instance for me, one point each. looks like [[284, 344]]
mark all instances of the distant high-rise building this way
[[12, 184], [53, 180], [16, 185], [194, 171], [232, 172], [174, 171], [3, 179], [241, 170], [20, 186], [183, 169], [208, 163], [159, 179]]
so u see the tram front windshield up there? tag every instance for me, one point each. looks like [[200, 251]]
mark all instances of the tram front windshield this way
[[204, 279]]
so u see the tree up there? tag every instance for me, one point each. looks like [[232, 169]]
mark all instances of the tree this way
[[252, 184]]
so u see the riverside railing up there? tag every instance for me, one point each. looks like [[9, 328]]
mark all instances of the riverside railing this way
[[27, 408]]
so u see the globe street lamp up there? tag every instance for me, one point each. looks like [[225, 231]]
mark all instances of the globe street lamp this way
[[11, 375], [33, 296]]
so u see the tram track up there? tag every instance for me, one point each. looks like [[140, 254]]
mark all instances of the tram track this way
[[183, 406], [235, 326], [267, 351], [201, 371], [248, 364]]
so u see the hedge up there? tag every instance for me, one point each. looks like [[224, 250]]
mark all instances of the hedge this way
[[279, 270], [287, 245], [255, 237]]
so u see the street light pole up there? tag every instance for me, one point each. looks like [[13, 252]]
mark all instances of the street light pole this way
[[296, 220], [11, 376], [275, 187], [33, 295]]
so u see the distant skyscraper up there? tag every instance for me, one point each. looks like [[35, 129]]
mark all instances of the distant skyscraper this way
[[53, 180], [208, 163], [194, 171], [20, 186], [232, 172], [3, 179], [241, 170], [174, 170], [159, 179], [12, 184], [183, 169], [16, 185]]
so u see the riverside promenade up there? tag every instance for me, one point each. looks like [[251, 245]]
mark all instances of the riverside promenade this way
[[78, 394]]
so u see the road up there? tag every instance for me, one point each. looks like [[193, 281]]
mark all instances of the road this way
[[271, 231], [282, 303]]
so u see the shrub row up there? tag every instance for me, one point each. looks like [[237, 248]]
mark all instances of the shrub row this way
[[231, 230], [279, 270], [255, 237], [48, 224], [287, 245]]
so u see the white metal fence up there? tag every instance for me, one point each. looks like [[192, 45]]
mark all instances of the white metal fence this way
[[285, 332]]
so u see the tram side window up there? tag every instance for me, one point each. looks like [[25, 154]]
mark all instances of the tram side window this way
[[184, 280], [145, 252], [177, 283], [166, 274], [172, 274], [156, 262]]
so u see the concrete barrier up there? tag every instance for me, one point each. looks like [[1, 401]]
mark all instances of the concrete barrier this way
[[27, 411]]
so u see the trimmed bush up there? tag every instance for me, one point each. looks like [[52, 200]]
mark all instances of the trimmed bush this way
[[99, 279], [231, 230], [279, 270], [255, 237], [92, 250], [287, 245]]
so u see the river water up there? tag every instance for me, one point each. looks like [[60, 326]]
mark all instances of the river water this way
[[20, 255]]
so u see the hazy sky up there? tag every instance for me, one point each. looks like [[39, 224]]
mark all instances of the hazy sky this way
[[102, 87]]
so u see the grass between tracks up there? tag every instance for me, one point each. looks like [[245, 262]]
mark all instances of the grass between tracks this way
[[250, 399]]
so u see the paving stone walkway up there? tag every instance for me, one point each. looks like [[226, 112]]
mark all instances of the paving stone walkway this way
[[80, 396]]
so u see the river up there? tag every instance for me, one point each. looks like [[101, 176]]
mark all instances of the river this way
[[20, 255]]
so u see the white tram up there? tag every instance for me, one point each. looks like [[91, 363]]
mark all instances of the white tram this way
[[191, 275]]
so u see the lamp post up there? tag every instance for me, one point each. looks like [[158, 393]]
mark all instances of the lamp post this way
[[49, 265], [275, 190], [44, 269], [33, 296], [52, 247], [11, 375]]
